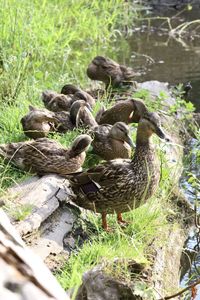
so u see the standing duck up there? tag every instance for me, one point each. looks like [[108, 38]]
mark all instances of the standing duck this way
[[127, 111], [112, 142], [77, 94], [44, 156], [120, 185], [56, 102], [109, 71], [38, 122]]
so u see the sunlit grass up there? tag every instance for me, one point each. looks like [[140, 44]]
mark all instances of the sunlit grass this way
[[130, 243]]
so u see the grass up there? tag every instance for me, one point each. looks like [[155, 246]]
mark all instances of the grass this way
[[44, 45], [127, 244]]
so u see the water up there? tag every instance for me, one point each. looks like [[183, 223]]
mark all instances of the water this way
[[176, 60]]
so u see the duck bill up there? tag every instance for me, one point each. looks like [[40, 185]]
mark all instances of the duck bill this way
[[130, 142], [161, 134]]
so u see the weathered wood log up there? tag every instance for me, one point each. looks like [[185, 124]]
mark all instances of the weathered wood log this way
[[23, 275], [47, 224]]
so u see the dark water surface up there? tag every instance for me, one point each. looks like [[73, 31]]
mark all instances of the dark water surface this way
[[176, 60]]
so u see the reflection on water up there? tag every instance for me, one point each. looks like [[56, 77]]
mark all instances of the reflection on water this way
[[175, 60]]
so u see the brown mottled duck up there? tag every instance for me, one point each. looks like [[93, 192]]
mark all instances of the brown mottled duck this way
[[56, 102], [120, 185], [77, 94], [44, 156], [127, 111], [112, 141], [38, 122], [79, 116], [110, 72]]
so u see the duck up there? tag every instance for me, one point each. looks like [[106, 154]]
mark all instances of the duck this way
[[110, 72], [77, 94], [44, 156], [112, 141], [120, 185], [80, 115], [127, 111], [56, 102], [38, 122]]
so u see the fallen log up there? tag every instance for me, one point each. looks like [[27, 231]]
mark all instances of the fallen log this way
[[23, 275]]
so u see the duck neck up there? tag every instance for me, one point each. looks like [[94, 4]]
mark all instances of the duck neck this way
[[144, 145]]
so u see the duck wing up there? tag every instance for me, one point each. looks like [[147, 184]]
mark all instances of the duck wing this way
[[100, 176]]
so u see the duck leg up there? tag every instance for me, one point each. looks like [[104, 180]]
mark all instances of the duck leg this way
[[104, 222]]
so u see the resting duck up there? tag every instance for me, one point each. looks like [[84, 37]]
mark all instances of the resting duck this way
[[120, 185], [127, 111], [38, 122], [112, 142], [44, 156], [77, 94], [56, 102], [110, 72], [79, 116]]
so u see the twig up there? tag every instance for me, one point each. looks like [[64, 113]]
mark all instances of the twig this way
[[181, 291]]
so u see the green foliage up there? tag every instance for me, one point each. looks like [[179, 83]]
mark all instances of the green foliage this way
[[46, 44], [123, 243]]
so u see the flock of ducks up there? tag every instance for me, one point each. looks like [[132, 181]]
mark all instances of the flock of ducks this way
[[120, 183]]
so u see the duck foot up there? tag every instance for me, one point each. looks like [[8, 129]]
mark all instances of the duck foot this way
[[120, 221]]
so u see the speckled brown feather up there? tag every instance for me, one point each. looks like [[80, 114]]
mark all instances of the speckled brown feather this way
[[110, 142], [38, 122], [127, 111], [79, 116], [120, 185], [77, 94], [109, 71], [56, 102], [44, 156]]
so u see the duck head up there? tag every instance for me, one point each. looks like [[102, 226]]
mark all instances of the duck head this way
[[40, 115], [102, 69], [120, 131], [69, 89], [60, 102], [47, 96], [149, 124]]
